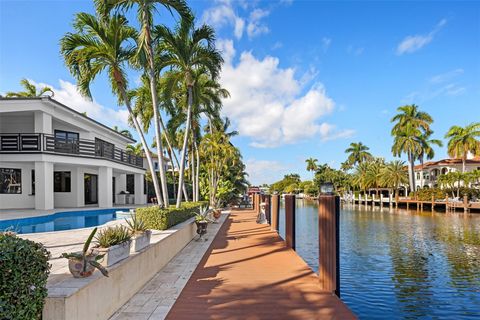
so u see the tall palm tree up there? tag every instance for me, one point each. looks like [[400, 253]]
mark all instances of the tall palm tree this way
[[104, 45], [124, 132], [185, 50], [358, 153], [464, 140], [145, 56], [393, 174], [30, 90], [311, 164], [135, 149], [410, 125]]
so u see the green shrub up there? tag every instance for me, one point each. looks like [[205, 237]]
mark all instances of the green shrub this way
[[24, 270], [161, 219], [111, 236]]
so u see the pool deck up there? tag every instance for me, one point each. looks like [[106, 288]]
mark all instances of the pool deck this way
[[249, 273]]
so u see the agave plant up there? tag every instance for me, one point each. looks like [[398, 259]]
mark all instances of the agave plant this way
[[201, 216], [136, 225], [111, 236], [87, 257]]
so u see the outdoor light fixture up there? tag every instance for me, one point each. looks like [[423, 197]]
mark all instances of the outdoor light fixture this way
[[326, 188]]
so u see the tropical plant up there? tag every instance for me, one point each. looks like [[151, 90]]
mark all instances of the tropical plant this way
[[183, 51], [311, 164], [87, 257], [104, 44], [124, 132], [135, 149], [410, 125], [136, 225], [357, 153], [111, 236], [394, 174], [30, 91], [464, 140], [426, 150]]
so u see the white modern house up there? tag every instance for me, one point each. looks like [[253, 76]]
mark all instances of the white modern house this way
[[52, 156], [427, 175]]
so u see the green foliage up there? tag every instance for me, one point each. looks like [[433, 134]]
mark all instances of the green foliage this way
[[426, 194], [158, 218], [111, 236], [288, 180], [135, 224], [24, 270]]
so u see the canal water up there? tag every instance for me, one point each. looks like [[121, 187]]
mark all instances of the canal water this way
[[398, 264]]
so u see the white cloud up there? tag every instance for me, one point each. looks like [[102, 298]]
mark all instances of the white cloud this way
[[270, 105], [326, 43], [447, 76], [264, 171], [413, 43], [356, 51], [68, 94], [223, 14]]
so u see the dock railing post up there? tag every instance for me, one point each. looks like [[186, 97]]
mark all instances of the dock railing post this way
[[329, 243], [275, 211], [257, 203], [290, 221]]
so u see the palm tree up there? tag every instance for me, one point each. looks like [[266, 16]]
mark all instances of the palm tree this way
[[30, 90], [358, 153], [135, 149], [104, 45], [311, 164], [410, 125], [463, 140], [145, 56], [393, 174], [124, 132], [184, 51]]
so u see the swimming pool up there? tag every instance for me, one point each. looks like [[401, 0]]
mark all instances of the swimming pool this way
[[64, 220]]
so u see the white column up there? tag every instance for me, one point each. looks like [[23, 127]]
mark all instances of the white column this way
[[78, 187], [121, 183], [139, 196], [105, 187], [44, 185], [43, 122]]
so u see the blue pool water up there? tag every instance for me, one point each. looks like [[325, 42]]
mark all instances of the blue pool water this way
[[63, 220]]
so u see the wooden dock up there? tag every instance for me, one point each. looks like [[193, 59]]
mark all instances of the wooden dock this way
[[249, 273]]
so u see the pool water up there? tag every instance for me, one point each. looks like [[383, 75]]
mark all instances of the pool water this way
[[64, 220], [400, 264]]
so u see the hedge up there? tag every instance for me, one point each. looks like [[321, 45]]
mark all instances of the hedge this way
[[163, 218], [24, 270]]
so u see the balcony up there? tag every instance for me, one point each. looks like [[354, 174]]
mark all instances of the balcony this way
[[47, 143]]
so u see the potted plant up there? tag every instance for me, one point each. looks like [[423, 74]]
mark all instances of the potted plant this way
[[139, 232], [201, 221], [114, 243], [217, 213], [82, 264]]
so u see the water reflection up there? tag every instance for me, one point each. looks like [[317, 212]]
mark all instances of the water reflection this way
[[398, 264]]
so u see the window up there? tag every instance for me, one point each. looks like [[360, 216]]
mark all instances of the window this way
[[145, 184], [10, 181], [131, 183], [33, 182], [66, 141], [104, 148], [61, 181]]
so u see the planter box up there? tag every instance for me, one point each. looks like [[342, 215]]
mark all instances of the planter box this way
[[141, 241], [115, 253]]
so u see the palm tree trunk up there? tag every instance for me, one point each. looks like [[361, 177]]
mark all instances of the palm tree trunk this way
[[464, 160], [185, 143], [197, 173], [156, 186], [411, 172], [192, 171]]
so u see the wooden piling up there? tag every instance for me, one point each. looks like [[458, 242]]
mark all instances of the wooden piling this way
[[275, 211], [290, 221], [328, 238], [433, 204], [268, 207]]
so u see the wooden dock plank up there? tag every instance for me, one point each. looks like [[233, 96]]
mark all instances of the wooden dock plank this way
[[248, 273]]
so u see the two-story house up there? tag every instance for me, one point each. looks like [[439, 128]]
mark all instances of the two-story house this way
[[52, 156]]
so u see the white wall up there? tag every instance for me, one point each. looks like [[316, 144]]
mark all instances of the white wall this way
[[25, 199], [20, 123]]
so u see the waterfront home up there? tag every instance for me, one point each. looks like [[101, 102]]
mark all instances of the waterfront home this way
[[427, 175], [52, 156]]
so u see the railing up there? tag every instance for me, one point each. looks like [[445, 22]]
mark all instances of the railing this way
[[39, 142]]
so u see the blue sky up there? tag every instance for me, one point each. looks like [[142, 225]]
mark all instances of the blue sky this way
[[306, 77]]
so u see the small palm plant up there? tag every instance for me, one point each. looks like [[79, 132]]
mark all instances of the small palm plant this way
[[82, 264], [111, 236], [136, 225]]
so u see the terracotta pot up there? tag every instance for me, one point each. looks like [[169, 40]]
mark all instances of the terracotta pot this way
[[76, 268], [217, 213]]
